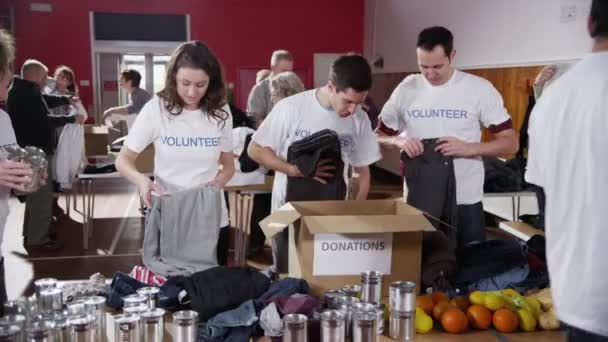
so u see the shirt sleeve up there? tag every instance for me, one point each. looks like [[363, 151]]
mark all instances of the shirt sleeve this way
[[256, 103], [392, 115], [226, 144], [534, 170], [274, 129], [138, 100], [492, 108], [144, 129], [366, 150]]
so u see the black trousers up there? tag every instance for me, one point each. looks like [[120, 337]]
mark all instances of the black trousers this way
[[471, 224]]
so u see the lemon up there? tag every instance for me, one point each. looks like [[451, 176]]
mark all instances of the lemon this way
[[493, 302], [423, 322], [477, 297], [527, 322]]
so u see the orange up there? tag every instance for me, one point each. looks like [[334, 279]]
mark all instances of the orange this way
[[480, 317], [440, 308], [425, 303], [505, 321], [461, 302], [454, 321], [439, 297]]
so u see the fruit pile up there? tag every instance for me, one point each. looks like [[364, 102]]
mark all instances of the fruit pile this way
[[506, 310]]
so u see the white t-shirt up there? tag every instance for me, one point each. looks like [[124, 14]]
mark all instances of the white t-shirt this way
[[301, 115], [187, 146], [568, 157], [457, 109], [7, 138]]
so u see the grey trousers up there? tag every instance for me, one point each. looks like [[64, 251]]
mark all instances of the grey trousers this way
[[182, 232], [39, 212]]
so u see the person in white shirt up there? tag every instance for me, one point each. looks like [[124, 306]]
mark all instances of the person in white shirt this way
[[13, 175], [189, 124], [335, 106], [567, 157], [445, 103]]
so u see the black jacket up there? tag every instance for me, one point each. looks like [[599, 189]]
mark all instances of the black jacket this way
[[29, 112]]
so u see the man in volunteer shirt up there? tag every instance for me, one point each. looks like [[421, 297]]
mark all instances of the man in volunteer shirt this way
[[335, 106], [442, 102], [567, 157]]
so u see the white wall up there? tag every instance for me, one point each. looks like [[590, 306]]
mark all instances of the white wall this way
[[488, 33]]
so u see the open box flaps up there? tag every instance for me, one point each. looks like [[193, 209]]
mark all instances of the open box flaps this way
[[331, 242]]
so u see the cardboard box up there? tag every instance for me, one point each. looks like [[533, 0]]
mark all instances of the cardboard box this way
[[331, 242], [96, 140]]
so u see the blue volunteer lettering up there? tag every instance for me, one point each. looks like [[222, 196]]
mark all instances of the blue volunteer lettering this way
[[438, 113], [190, 141]]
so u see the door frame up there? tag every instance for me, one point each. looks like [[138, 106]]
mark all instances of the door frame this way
[[122, 47]]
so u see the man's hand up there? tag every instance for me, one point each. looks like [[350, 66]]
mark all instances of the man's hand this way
[[412, 147], [15, 175], [545, 75], [323, 171], [453, 147]]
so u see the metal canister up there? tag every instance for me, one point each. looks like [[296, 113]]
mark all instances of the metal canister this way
[[16, 153], [40, 331], [50, 300], [371, 287], [295, 328], [153, 325], [135, 310], [44, 284], [76, 309], [185, 323], [96, 307], [365, 325], [83, 329], [10, 333], [15, 320], [126, 329], [402, 296], [346, 308], [401, 326], [62, 328], [352, 290], [14, 307], [377, 309], [134, 300], [332, 326], [331, 298], [151, 294]]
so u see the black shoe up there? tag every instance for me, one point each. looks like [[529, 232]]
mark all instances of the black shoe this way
[[49, 246]]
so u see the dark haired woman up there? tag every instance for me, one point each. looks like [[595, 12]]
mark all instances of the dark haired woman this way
[[190, 125]]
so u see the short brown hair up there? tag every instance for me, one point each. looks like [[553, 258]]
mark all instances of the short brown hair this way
[[131, 75], [196, 55], [7, 52], [280, 55], [68, 73]]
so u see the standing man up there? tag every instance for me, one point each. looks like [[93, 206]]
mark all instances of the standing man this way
[[335, 106], [259, 103], [567, 157], [442, 102], [28, 109], [129, 81]]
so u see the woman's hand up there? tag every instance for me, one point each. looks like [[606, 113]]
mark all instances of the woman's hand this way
[[145, 186]]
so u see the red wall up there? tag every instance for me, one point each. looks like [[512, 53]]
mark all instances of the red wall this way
[[243, 33]]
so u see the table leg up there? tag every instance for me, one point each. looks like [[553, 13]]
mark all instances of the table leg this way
[[513, 207], [85, 233]]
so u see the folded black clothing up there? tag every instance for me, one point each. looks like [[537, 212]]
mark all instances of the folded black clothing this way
[[222, 288], [93, 169], [247, 164]]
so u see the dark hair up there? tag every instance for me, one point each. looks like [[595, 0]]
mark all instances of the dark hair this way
[[131, 75], [436, 35], [7, 52], [599, 18], [351, 71], [68, 73], [196, 55]]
